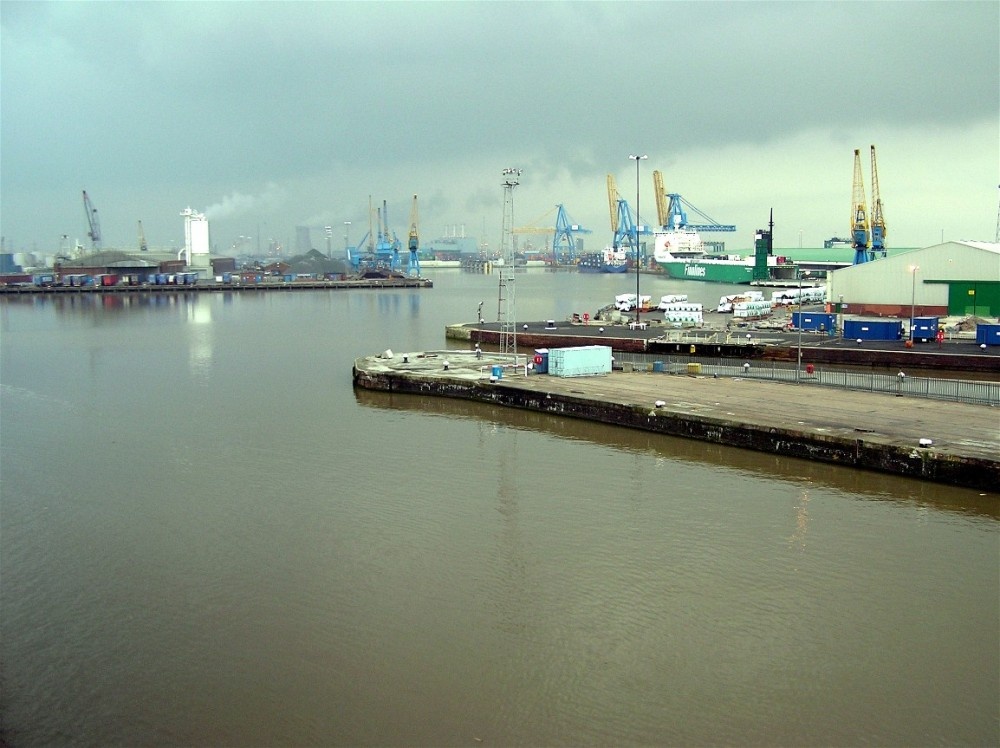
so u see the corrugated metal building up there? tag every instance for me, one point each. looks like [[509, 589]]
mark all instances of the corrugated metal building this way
[[944, 280]]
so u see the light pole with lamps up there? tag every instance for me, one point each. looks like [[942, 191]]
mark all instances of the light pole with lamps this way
[[798, 365], [913, 298], [347, 234], [638, 303]]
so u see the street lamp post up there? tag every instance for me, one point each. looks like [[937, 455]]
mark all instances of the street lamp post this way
[[913, 298], [798, 366], [638, 303], [347, 234]]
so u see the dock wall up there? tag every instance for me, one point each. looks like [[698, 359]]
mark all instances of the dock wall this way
[[896, 459]]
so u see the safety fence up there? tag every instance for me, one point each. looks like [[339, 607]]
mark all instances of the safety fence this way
[[958, 390]]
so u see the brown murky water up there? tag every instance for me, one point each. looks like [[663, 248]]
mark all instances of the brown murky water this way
[[208, 538]]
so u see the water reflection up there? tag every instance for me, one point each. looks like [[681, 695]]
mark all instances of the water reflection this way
[[200, 332]]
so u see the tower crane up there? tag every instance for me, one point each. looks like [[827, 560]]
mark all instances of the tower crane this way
[[859, 215], [142, 239], [878, 220], [92, 221], [413, 243]]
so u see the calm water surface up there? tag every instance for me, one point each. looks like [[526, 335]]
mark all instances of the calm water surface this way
[[208, 538]]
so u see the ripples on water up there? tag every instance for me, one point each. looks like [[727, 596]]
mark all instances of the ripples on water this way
[[208, 538]]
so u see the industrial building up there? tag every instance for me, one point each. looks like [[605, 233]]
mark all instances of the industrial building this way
[[953, 279]]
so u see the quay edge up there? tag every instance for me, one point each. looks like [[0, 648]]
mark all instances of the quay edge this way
[[215, 287], [830, 442]]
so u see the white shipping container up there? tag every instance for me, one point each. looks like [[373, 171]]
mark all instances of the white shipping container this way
[[678, 306], [580, 361], [682, 317], [671, 299]]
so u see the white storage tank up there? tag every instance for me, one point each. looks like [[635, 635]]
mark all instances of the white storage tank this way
[[580, 361]]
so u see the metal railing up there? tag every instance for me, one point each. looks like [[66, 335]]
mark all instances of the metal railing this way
[[957, 390]]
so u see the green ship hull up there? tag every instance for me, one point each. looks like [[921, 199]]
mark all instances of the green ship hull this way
[[710, 272]]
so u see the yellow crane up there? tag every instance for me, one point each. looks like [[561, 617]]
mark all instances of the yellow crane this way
[[536, 226], [413, 243], [877, 219], [613, 203], [859, 214], [661, 202]]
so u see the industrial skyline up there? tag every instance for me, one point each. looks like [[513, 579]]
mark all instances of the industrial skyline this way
[[267, 116]]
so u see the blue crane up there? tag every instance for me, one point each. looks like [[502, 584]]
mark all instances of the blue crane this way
[[387, 245], [673, 215], [625, 230], [564, 232]]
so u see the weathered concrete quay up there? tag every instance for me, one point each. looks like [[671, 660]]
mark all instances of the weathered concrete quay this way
[[866, 430]]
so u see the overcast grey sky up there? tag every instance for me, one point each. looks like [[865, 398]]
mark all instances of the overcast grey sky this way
[[277, 114]]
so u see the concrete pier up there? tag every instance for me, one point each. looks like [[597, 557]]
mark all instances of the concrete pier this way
[[946, 442]]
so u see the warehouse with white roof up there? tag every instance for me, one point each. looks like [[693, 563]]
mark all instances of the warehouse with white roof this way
[[953, 279]]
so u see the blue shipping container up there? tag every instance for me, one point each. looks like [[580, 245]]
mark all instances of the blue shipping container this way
[[872, 329], [924, 328], [988, 334], [814, 320], [541, 360]]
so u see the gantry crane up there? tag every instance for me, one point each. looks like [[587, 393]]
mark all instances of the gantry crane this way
[[622, 226], [878, 220], [413, 244], [92, 222], [564, 244], [859, 215], [672, 216], [387, 246], [142, 239], [564, 233]]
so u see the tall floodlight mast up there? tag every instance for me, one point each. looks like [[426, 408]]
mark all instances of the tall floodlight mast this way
[[505, 299], [638, 299]]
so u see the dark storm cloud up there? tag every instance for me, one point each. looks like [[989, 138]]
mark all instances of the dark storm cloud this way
[[274, 104]]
